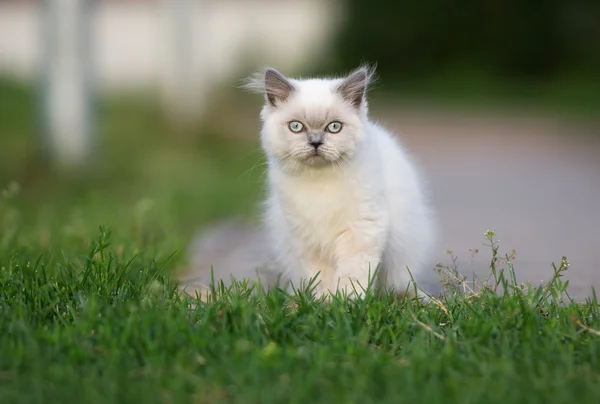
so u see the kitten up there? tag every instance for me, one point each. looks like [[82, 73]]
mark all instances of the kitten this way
[[344, 199]]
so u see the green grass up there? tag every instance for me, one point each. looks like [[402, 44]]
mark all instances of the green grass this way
[[90, 311], [107, 325]]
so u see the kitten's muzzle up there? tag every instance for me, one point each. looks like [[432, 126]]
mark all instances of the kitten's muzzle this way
[[316, 139]]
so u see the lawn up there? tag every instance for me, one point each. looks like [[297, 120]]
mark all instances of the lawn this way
[[90, 310]]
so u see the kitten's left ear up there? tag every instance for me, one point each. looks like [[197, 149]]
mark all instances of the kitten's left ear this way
[[277, 87], [354, 87]]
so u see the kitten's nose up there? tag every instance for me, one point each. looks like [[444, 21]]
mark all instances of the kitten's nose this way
[[316, 143], [315, 139]]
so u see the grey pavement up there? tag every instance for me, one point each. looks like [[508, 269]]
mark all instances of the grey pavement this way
[[535, 181]]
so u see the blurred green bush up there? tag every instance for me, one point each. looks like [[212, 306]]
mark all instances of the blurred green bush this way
[[532, 39]]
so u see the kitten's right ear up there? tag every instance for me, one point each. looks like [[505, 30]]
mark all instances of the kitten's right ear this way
[[277, 87], [354, 87]]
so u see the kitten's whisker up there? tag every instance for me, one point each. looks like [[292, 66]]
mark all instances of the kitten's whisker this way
[[258, 150], [248, 171]]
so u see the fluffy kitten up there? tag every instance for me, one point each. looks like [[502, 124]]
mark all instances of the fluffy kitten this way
[[343, 199]]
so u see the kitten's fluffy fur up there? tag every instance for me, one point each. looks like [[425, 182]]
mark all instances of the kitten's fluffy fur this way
[[351, 205]]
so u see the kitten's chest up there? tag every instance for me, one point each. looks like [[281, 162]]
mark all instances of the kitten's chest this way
[[320, 209]]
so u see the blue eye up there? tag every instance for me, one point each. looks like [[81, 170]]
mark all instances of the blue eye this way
[[296, 126], [334, 127]]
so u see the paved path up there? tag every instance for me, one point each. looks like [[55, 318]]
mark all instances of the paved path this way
[[536, 183]]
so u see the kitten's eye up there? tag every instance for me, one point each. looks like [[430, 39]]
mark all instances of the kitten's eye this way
[[334, 127], [296, 126]]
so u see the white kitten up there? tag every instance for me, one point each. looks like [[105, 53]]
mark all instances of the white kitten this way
[[343, 197]]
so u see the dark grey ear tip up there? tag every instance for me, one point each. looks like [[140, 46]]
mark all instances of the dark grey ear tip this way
[[362, 74], [366, 72], [271, 72]]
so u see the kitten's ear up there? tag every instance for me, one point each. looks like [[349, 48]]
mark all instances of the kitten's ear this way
[[277, 87], [354, 87]]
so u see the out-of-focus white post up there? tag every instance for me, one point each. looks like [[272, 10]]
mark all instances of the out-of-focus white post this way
[[66, 77], [182, 97]]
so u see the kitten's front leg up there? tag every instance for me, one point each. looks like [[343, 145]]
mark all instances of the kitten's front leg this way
[[308, 271], [318, 270], [358, 253]]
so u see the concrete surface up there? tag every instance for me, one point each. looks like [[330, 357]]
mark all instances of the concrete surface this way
[[534, 181]]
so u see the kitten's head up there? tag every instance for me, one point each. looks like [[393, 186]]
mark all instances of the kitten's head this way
[[314, 122]]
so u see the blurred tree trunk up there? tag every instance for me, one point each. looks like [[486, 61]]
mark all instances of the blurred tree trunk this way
[[66, 76], [183, 89]]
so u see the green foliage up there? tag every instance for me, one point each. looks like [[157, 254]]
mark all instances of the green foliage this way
[[541, 39], [144, 181]]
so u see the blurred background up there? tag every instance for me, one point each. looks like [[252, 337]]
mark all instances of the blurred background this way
[[128, 114]]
